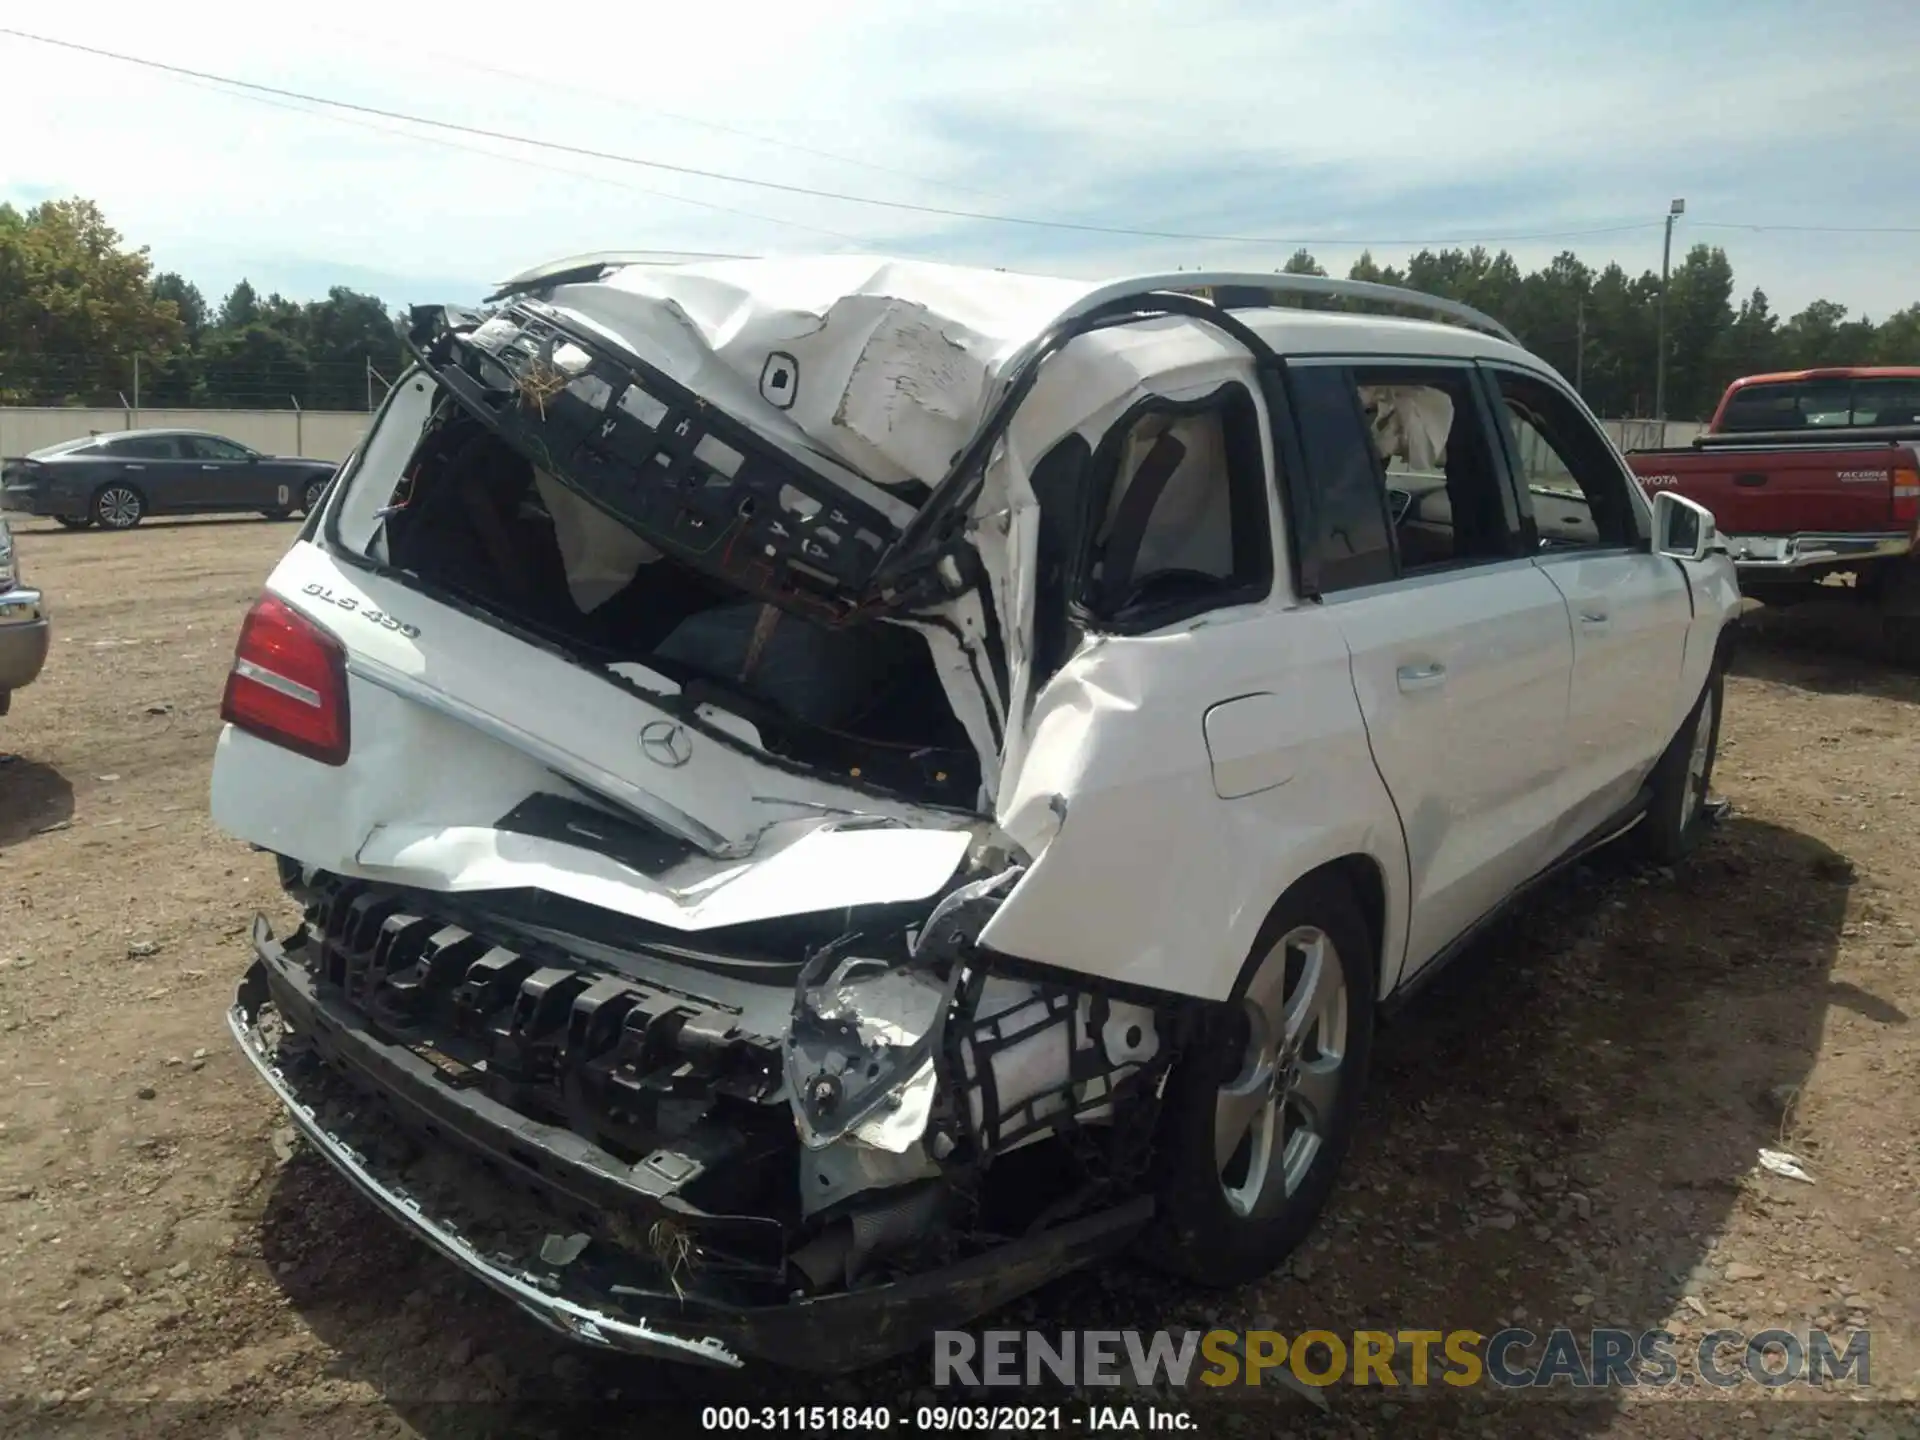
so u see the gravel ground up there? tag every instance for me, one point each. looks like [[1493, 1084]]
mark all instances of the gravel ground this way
[[1564, 1132]]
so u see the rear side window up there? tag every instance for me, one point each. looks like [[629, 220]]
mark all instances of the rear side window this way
[[1792, 405], [1403, 475], [1894, 400], [1348, 530], [142, 447]]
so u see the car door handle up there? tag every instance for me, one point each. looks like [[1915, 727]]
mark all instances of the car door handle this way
[[1750, 479], [209, 467], [1421, 677], [1593, 617]]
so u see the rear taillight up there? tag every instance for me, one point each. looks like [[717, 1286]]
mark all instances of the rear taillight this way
[[1906, 496], [289, 683]]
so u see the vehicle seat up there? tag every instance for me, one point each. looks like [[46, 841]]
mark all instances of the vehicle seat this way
[[1132, 518]]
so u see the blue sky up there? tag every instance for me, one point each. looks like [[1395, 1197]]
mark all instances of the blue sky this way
[[1336, 125]]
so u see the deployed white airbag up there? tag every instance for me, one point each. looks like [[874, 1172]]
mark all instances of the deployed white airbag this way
[[1410, 423], [600, 554]]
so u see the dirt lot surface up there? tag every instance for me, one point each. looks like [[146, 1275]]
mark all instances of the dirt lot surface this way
[[1566, 1132]]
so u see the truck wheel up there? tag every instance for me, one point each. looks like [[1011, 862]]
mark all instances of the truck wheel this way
[[1259, 1111], [1677, 816], [118, 507]]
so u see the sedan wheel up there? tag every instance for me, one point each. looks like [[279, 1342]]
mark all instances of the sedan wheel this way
[[1262, 1103], [118, 507], [310, 500]]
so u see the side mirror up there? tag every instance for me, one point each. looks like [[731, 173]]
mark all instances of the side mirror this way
[[1682, 529]]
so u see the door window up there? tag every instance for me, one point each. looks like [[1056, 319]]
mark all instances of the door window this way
[[1573, 482], [1401, 474], [212, 447]]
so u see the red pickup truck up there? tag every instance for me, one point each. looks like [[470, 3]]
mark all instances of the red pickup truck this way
[[1809, 474]]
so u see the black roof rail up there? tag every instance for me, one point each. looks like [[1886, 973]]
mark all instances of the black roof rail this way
[[1284, 284]]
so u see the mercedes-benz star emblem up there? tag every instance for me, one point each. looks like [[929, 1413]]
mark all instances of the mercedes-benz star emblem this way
[[666, 743]]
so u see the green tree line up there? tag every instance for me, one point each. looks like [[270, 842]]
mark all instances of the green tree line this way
[[1601, 327], [84, 320], [79, 309]]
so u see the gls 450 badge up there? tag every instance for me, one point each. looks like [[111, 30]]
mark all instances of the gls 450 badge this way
[[352, 606]]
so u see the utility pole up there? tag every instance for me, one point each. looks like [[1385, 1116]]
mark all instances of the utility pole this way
[[369, 364], [1580, 344], [1674, 212], [136, 382]]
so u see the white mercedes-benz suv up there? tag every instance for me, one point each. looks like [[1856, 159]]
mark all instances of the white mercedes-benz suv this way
[[827, 791]]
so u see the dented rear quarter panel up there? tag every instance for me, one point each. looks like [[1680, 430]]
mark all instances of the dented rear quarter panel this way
[[1142, 873]]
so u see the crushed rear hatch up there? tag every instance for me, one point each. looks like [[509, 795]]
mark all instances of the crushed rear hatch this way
[[780, 524]]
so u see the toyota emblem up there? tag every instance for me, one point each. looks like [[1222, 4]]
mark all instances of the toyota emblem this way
[[666, 743]]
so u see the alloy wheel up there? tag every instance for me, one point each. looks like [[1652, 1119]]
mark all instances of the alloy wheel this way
[[1272, 1119], [118, 508]]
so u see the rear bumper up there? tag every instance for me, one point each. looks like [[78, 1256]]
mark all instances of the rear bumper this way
[[23, 638], [596, 1302], [41, 497], [1788, 555]]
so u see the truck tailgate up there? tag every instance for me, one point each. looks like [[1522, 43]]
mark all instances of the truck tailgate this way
[[1782, 491]]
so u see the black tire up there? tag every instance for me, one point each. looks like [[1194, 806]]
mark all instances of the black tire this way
[[1197, 1233], [1677, 816], [315, 492], [277, 515], [118, 506], [1900, 640], [75, 522]]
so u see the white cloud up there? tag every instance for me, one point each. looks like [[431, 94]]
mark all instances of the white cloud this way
[[1378, 119]]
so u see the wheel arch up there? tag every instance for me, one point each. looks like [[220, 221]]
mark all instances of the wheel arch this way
[[1367, 881], [1363, 878]]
